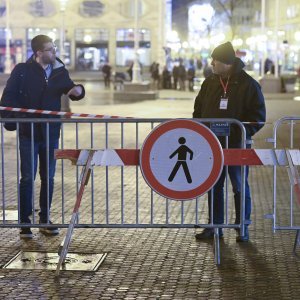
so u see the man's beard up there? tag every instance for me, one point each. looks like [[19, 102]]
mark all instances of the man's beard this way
[[49, 60]]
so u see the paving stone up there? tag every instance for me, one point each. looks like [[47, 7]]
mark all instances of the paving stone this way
[[162, 263]]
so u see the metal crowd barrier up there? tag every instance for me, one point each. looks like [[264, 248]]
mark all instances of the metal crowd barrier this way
[[287, 200], [116, 197]]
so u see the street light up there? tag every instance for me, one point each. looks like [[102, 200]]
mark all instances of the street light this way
[[65, 103], [7, 63], [136, 70], [63, 4]]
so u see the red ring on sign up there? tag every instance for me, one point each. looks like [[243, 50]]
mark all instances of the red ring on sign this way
[[207, 134]]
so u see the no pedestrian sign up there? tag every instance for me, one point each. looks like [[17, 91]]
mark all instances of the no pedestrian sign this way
[[181, 159]]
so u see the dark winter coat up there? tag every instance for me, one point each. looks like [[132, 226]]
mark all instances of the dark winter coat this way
[[245, 102], [28, 87]]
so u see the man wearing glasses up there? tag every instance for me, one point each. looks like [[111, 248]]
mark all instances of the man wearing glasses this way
[[39, 84]]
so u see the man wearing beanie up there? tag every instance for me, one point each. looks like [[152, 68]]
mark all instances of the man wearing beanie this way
[[230, 93]]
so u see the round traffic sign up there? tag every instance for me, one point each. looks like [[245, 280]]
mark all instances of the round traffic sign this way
[[181, 159]]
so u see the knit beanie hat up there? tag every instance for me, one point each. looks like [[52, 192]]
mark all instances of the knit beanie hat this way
[[224, 53]]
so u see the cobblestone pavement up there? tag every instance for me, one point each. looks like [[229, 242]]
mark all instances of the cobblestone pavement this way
[[167, 263]]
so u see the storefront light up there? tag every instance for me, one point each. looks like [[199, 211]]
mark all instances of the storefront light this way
[[193, 44], [250, 41], [87, 38], [88, 55], [261, 38], [63, 4], [297, 36], [295, 48], [256, 66], [217, 39], [185, 45], [173, 36], [141, 51], [198, 47], [237, 42], [52, 35], [206, 43], [174, 46]]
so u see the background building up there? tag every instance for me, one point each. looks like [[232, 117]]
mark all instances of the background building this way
[[258, 29], [87, 33], [209, 23], [283, 17]]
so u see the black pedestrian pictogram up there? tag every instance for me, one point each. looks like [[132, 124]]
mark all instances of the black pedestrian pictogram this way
[[181, 160]]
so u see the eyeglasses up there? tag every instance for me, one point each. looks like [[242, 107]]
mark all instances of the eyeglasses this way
[[52, 49]]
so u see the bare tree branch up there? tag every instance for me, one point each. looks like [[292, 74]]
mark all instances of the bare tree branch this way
[[228, 7]]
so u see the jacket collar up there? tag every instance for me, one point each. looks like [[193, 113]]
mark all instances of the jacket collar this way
[[57, 64], [237, 67]]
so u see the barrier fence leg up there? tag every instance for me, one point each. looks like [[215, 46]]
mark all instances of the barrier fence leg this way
[[297, 242], [63, 250], [85, 174], [217, 246]]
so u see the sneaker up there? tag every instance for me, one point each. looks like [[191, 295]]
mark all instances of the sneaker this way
[[208, 234], [244, 238], [26, 233], [48, 230]]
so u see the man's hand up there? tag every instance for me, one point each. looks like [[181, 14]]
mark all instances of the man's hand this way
[[75, 91]]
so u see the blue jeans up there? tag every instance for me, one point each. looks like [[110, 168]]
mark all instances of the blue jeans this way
[[27, 154], [235, 176]]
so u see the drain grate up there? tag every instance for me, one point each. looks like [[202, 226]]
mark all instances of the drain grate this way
[[49, 260]]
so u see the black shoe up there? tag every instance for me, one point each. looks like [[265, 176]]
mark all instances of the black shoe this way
[[245, 237], [208, 234], [26, 233], [48, 230]]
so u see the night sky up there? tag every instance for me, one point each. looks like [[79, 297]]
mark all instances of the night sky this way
[[177, 4], [180, 16]]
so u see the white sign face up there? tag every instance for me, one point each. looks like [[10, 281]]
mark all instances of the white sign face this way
[[181, 159], [190, 165]]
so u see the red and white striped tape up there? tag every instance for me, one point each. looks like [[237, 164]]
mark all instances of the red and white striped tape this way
[[232, 157], [239, 157], [264, 157], [59, 113]]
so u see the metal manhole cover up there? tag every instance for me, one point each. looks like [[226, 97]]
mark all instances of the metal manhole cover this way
[[49, 260]]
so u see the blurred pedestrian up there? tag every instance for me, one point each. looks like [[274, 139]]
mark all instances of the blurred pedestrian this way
[[230, 93], [130, 71], [207, 70], [166, 78], [175, 75], [191, 76], [181, 76], [199, 63], [268, 65], [106, 70], [155, 76]]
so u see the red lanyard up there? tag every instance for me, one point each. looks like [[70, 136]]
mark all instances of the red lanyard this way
[[224, 85]]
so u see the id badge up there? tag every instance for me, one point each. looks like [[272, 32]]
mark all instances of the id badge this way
[[223, 103]]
